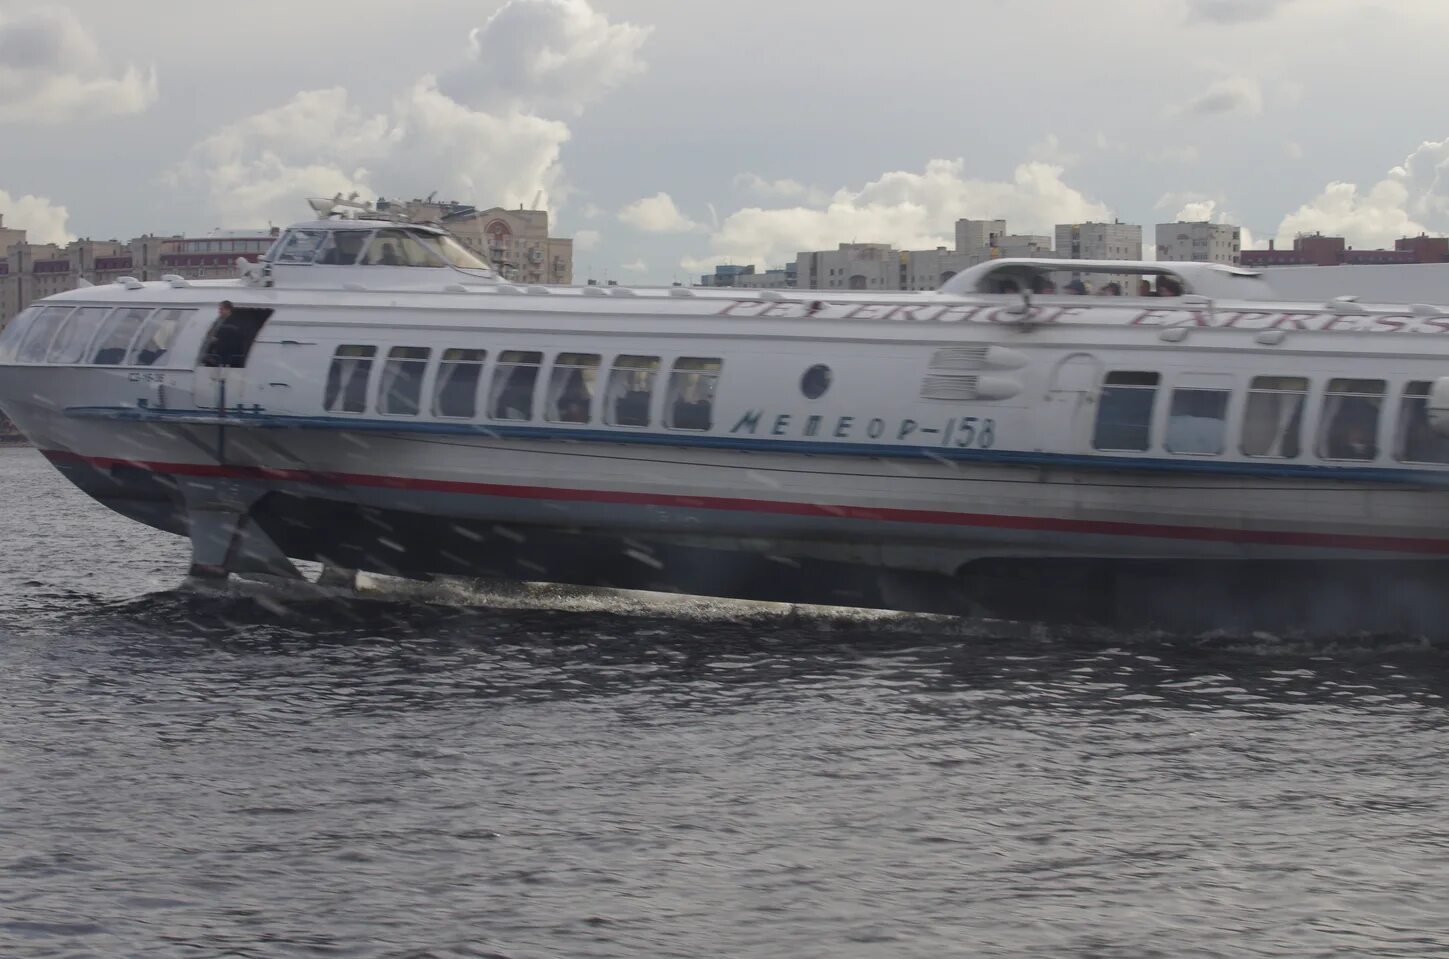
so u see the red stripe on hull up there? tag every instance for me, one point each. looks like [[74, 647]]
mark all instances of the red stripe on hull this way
[[1394, 544]]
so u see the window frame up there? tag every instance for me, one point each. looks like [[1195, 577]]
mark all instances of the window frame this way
[[1150, 423], [1305, 408], [497, 387], [37, 326], [1195, 383], [673, 398], [152, 324], [558, 373], [619, 375], [85, 346], [1323, 425], [392, 369], [118, 316], [344, 389], [480, 364], [1402, 422]]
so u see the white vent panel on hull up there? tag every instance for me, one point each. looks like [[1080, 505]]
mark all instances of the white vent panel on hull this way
[[956, 386], [977, 358]]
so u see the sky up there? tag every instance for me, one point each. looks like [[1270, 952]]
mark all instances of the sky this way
[[667, 136]]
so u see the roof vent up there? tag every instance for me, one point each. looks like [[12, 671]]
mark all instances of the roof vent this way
[[536, 290], [507, 288], [177, 281], [130, 283], [622, 291], [680, 291], [771, 295], [594, 291]]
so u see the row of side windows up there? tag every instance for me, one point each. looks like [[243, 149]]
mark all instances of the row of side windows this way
[[98, 335], [571, 391], [1272, 418]]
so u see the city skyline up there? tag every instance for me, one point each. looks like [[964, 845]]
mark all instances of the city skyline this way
[[662, 152]]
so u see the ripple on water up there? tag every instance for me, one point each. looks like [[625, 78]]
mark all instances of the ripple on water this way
[[591, 775]]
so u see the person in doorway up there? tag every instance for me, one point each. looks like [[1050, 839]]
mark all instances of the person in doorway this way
[[224, 346]]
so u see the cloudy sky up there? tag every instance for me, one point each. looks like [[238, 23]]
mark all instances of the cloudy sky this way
[[670, 135]]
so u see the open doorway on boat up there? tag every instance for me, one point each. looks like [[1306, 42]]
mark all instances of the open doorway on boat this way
[[232, 335]]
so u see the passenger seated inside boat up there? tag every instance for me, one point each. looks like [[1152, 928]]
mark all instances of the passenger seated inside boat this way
[[343, 248], [1041, 284], [1351, 428], [1168, 286]]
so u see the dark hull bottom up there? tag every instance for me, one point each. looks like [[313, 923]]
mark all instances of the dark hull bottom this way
[[1324, 598]]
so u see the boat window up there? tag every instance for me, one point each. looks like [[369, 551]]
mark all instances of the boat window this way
[[301, 246], [114, 339], [514, 378], [1274, 416], [1124, 415], [456, 392], [156, 336], [1348, 427], [1197, 421], [631, 386], [69, 345], [689, 404], [459, 255], [14, 332], [399, 248], [342, 247], [571, 388], [347, 379], [1417, 441], [42, 331], [401, 391]]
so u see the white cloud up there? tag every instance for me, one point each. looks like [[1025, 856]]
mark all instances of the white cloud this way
[[585, 240], [1372, 219], [1050, 150], [52, 71], [911, 210], [593, 211], [657, 214], [43, 221], [638, 266], [545, 55], [1412, 198], [1293, 149], [754, 185], [1230, 95], [320, 142]]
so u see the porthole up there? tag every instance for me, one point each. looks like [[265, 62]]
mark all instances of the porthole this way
[[815, 381]]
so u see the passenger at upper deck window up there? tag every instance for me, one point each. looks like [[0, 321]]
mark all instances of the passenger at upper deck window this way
[[1076, 286], [1144, 288], [1112, 289], [1168, 286]]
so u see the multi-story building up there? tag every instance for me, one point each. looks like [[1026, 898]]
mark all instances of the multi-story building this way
[[727, 274], [928, 269], [1099, 241], [31, 271], [975, 236], [515, 242], [1426, 249], [853, 266], [1199, 242], [781, 278]]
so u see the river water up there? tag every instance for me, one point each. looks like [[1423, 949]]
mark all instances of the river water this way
[[256, 774]]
